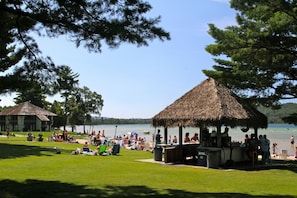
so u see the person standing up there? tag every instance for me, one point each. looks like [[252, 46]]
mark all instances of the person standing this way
[[292, 141], [262, 148], [274, 146], [7, 133], [158, 137], [266, 150], [65, 136], [246, 139]]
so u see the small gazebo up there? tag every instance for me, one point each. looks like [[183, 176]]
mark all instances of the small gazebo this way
[[209, 104], [26, 117]]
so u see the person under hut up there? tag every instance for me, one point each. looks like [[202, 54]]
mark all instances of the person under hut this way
[[195, 138], [158, 137], [187, 138]]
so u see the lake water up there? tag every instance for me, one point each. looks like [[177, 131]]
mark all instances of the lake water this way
[[276, 133]]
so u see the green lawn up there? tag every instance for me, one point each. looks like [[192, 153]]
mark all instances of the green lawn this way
[[33, 169]]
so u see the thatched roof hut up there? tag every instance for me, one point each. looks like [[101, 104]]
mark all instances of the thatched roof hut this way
[[210, 104]]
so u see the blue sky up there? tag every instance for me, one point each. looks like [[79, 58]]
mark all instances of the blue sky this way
[[140, 82]]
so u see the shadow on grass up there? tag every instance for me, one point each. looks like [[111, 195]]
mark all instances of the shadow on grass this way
[[49, 189], [8, 151], [290, 165], [276, 164]]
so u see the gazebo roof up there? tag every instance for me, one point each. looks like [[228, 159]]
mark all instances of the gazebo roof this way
[[210, 104], [27, 108]]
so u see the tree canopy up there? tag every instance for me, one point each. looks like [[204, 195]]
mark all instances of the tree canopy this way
[[257, 57], [87, 23]]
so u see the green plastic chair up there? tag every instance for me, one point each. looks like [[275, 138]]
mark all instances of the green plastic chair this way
[[102, 149]]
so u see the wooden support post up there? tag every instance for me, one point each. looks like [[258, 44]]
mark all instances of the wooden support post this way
[[165, 135], [219, 136], [256, 132], [180, 135]]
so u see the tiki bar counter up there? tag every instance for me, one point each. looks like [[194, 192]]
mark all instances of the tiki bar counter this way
[[207, 153], [209, 104]]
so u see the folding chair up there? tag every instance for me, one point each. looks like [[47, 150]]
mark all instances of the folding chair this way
[[115, 149]]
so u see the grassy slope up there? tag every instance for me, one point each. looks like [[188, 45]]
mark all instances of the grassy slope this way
[[33, 169]]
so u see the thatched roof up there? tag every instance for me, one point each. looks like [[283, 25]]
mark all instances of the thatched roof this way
[[210, 104], [27, 108]]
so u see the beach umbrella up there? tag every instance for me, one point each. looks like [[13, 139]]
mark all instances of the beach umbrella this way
[[133, 133]]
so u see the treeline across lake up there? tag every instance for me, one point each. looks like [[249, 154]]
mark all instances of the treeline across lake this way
[[274, 116], [98, 121]]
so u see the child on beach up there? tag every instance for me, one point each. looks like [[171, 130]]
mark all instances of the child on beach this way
[[292, 141], [274, 148]]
